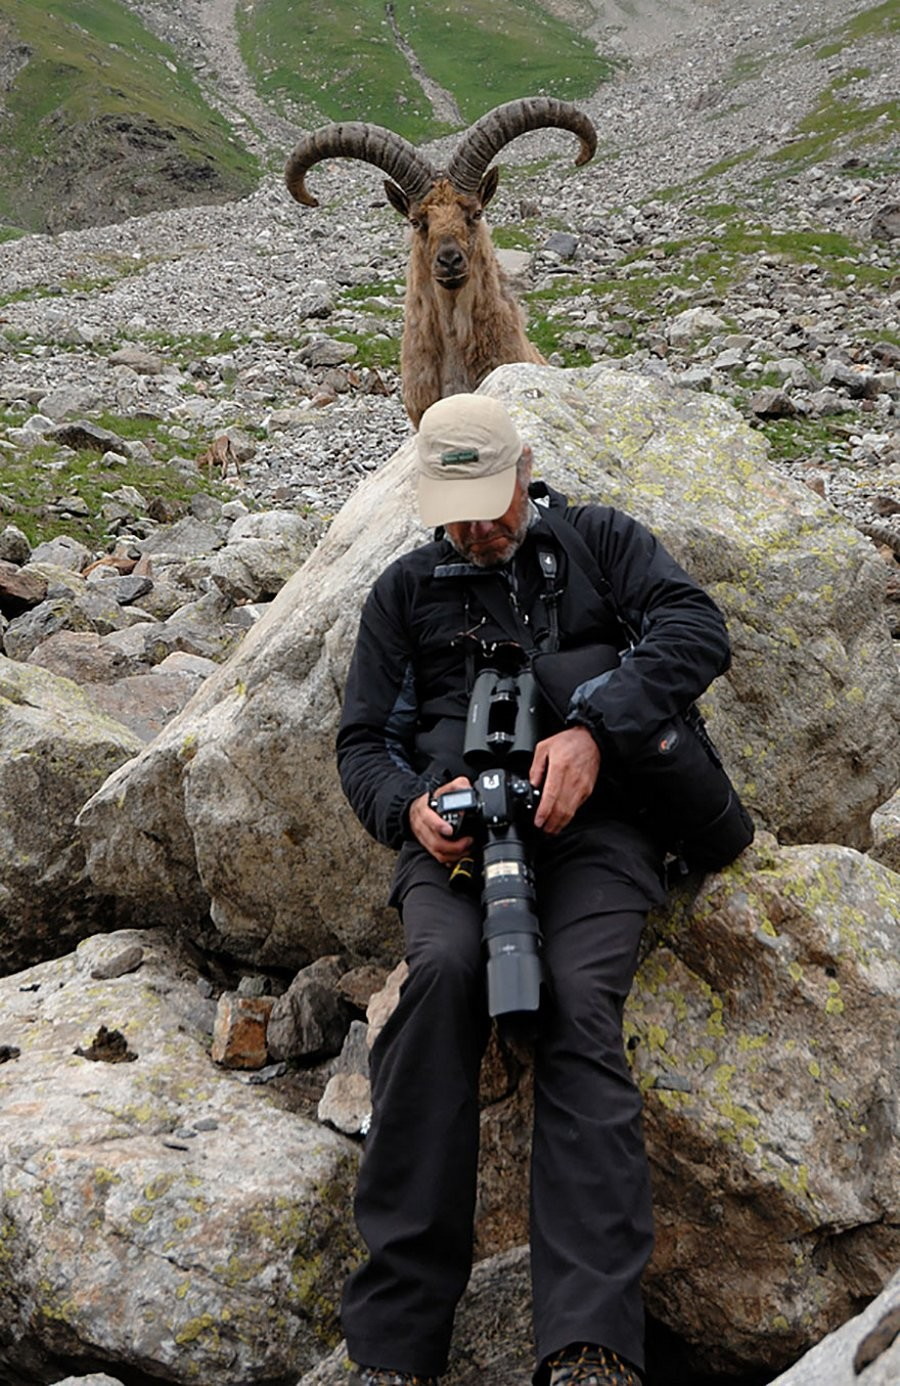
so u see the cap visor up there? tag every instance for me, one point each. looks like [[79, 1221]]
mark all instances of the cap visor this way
[[448, 502]]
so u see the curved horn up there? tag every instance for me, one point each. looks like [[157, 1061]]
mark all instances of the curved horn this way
[[357, 140], [504, 123]]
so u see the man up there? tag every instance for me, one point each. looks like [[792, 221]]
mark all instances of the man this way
[[484, 586]]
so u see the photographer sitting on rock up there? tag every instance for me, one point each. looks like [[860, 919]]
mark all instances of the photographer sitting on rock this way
[[514, 575]]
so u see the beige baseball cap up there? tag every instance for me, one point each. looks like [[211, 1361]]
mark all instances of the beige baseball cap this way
[[468, 450]]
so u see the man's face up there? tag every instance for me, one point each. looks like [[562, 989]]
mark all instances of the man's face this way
[[488, 543]]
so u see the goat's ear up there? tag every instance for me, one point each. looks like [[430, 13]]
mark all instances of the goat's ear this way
[[397, 198], [488, 186]]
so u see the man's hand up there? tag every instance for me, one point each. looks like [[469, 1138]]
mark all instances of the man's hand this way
[[433, 832], [565, 768]]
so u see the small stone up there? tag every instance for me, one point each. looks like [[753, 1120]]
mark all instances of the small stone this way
[[129, 960], [239, 1036], [14, 546]]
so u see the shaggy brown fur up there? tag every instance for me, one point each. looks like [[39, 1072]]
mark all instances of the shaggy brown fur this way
[[461, 319]]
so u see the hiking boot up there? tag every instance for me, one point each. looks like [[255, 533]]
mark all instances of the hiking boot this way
[[584, 1364], [383, 1376]]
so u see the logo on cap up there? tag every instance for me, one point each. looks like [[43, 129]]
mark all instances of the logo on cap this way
[[461, 455]]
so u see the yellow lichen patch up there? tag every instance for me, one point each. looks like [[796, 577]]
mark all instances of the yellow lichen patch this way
[[715, 1024], [195, 1328], [158, 1186], [834, 1004]]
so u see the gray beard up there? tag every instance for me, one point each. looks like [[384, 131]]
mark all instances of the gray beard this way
[[514, 544]]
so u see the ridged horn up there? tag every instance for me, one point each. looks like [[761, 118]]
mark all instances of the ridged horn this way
[[353, 139], [504, 123]]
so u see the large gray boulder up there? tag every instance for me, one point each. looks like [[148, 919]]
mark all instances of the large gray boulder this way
[[56, 749], [234, 815], [762, 1029], [158, 1215]]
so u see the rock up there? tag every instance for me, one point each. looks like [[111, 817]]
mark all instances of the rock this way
[[562, 244], [327, 351], [384, 1002], [813, 683], [239, 1037], [137, 359], [311, 1019], [54, 749], [492, 1342], [885, 224], [63, 403], [95, 1379], [516, 264], [148, 1224], [14, 546], [19, 591], [693, 323], [63, 552], [85, 612], [773, 404], [771, 999], [857, 381], [261, 553], [188, 538], [864, 1352], [146, 702], [84, 436], [83, 656], [346, 1103], [886, 833]]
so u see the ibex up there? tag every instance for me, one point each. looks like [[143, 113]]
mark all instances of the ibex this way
[[461, 319]]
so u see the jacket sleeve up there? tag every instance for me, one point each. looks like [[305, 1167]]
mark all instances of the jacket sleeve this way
[[376, 734], [680, 638]]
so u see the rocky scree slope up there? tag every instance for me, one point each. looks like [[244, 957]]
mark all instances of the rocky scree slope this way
[[712, 242]]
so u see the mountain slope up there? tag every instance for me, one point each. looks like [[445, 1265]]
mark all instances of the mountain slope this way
[[100, 120]]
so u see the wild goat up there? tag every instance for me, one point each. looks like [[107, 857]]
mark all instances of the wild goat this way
[[461, 319]]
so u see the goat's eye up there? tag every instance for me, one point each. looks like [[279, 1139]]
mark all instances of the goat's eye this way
[[476, 216], [418, 223]]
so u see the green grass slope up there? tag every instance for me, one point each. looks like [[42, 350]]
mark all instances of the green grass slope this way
[[339, 59], [98, 120]]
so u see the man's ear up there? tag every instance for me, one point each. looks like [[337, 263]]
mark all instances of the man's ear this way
[[397, 198], [526, 462], [488, 186]]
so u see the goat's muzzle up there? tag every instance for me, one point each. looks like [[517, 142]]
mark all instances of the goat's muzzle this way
[[451, 266]]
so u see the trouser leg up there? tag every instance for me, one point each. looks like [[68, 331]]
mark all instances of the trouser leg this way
[[416, 1194], [591, 1220]]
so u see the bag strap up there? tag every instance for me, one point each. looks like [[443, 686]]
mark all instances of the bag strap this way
[[578, 551]]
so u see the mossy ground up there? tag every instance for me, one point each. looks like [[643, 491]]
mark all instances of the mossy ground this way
[[34, 479]]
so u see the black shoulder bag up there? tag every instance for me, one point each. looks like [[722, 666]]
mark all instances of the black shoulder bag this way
[[675, 778]]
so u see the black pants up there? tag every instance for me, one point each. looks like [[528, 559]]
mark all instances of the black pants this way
[[591, 1227]]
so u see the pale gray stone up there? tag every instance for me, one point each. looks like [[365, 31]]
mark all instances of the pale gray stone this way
[[54, 748], [693, 323], [145, 1202], [63, 552], [14, 546]]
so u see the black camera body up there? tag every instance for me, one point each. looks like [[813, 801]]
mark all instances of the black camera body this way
[[498, 811]]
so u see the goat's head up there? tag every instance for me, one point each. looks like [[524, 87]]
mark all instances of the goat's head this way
[[444, 209], [447, 225]]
